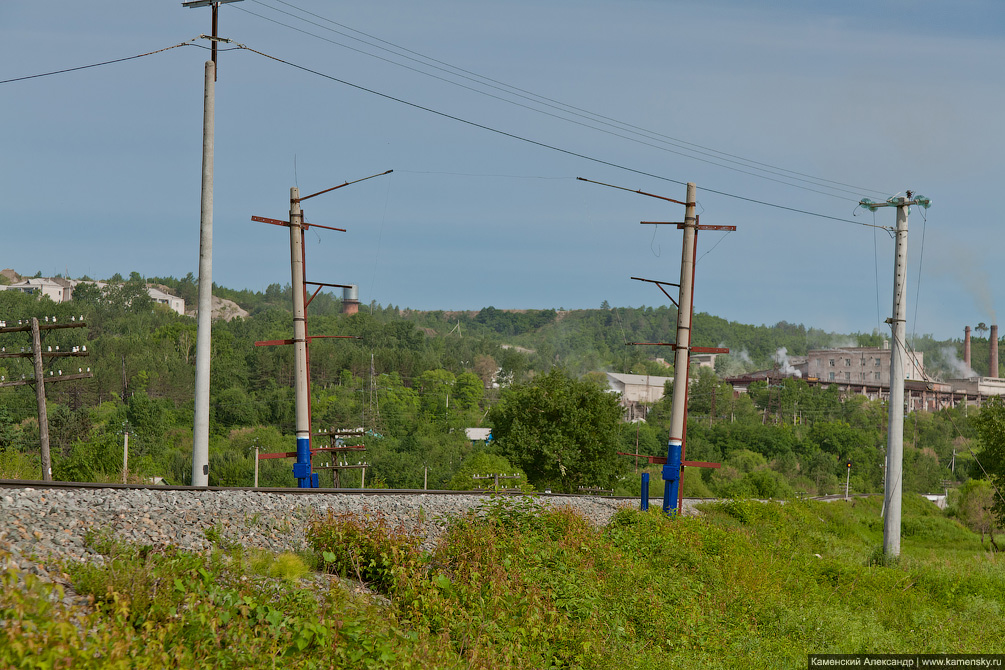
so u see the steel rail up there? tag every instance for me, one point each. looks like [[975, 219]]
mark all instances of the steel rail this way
[[37, 484]]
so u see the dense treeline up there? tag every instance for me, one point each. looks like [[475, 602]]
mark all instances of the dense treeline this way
[[586, 340], [413, 381]]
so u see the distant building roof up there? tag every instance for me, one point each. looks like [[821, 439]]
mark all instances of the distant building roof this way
[[637, 388], [478, 434], [639, 380]]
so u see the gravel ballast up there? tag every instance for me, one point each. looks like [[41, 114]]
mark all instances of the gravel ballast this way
[[52, 524]]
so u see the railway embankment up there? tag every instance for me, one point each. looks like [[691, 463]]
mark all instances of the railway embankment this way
[[48, 524]]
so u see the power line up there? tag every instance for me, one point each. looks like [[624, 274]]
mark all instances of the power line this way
[[560, 106], [107, 62], [552, 147]]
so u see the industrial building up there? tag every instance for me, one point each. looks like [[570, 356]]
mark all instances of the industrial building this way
[[866, 371]]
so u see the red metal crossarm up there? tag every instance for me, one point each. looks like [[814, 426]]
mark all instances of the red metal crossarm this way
[[275, 222], [320, 286], [303, 226], [696, 350], [293, 454], [662, 460], [727, 228], [681, 225], [710, 350], [700, 464], [273, 343]]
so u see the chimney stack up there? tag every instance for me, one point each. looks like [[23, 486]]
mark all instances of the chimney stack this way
[[994, 351], [966, 346]]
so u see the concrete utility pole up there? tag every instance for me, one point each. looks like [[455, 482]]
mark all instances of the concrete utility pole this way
[[674, 461], [682, 357], [893, 490], [895, 434], [200, 430], [203, 353], [302, 468]]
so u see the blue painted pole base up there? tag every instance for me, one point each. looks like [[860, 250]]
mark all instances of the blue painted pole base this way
[[645, 491], [671, 477], [302, 468]]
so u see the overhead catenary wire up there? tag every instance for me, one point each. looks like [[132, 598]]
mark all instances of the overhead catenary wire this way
[[578, 123], [107, 62], [508, 89], [545, 145], [465, 121]]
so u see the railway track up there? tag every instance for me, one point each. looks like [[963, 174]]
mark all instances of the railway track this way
[[36, 484]]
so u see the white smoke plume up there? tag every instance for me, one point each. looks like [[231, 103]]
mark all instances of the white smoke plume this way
[[957, 368], [843, 342], [735, 363], [781, 357]]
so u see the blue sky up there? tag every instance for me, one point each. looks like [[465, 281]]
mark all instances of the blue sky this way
[[100, 168]]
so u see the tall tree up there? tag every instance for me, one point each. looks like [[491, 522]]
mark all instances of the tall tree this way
[[562, 432], [990, 427]]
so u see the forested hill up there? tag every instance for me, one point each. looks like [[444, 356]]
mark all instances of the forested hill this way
[[413, 379], [598, 339]]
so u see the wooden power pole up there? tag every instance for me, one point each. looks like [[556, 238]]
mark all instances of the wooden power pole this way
[[37, 355]]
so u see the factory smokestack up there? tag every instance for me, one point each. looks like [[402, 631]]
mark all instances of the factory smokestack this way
[[966, 346], [994, 351]]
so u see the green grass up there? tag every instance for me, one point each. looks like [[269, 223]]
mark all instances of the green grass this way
[[16, 464], [752, 585]]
